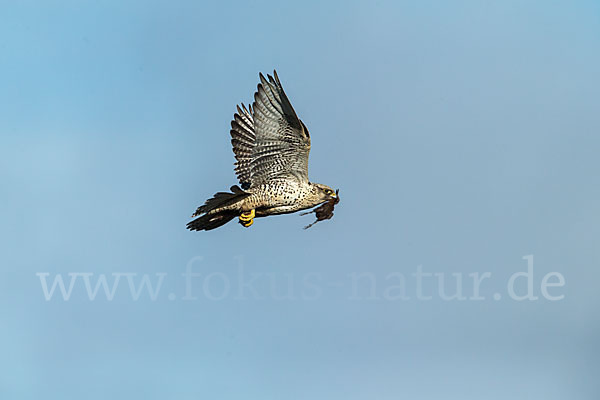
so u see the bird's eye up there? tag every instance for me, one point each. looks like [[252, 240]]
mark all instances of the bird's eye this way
[[328, 191]]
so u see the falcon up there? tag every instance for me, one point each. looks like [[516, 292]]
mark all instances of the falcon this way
[[271, 146]]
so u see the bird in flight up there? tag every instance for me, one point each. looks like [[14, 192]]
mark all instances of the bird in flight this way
[[271, 146]]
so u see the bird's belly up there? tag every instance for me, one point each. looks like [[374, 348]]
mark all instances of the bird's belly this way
[[271, 199]]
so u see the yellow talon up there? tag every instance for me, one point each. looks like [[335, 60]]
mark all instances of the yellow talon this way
[[247, 219], [248, 216], [247, 223]]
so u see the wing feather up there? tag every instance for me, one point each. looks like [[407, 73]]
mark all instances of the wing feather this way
[[243, 139], [268, 138], [282, 142]]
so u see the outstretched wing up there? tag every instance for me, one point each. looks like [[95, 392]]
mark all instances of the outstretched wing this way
[[281, 141], [242, 140]]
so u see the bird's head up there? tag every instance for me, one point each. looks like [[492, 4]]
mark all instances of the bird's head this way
[[324, 192]]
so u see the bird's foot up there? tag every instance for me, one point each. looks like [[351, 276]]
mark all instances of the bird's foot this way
[[247, 218]]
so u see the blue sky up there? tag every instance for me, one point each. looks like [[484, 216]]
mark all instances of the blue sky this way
[[463, 137]]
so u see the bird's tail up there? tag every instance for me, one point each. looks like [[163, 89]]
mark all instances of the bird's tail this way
[[212, 221], [217, 210]]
